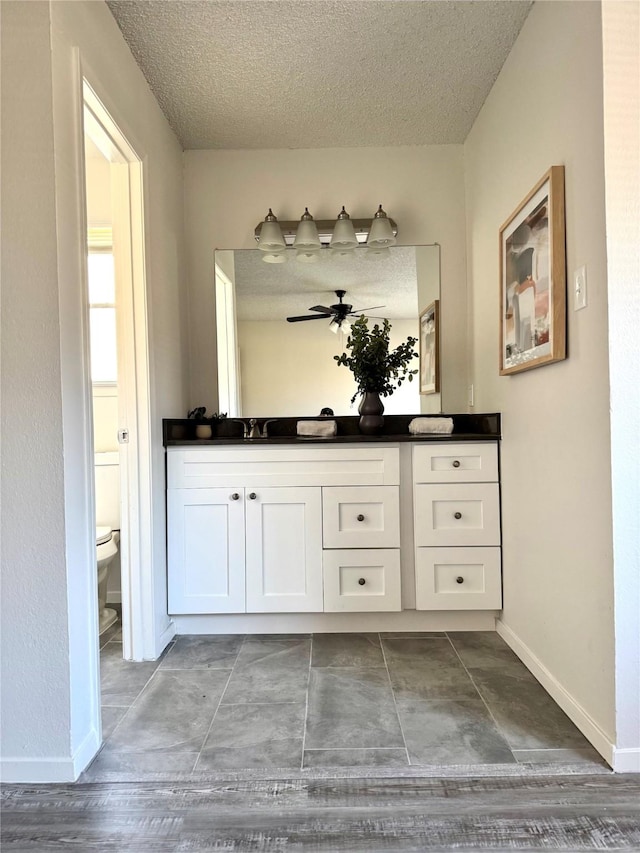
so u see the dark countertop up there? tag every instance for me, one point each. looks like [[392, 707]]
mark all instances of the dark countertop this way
[[467, 427]]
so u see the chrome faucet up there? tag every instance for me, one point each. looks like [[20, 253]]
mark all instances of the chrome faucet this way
[[254, 429], [245, 431]]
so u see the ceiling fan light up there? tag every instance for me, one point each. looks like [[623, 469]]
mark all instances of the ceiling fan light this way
[[344, 236], [345, 326], [381, 233], [274, 257], [271, 239], [307, 233], [334, 326]]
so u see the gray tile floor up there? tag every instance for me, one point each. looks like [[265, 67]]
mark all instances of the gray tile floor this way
[[296, 702]]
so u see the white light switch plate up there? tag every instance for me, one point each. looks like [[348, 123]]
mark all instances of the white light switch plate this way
[[580, 288]]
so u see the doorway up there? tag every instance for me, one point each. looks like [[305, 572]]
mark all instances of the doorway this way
[[119, 364]]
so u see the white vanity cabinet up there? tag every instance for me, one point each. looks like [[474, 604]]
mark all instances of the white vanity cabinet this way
[[348, 528], [283, 530], [457, 526]]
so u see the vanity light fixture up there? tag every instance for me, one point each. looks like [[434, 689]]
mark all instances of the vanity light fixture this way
[[271, 239], [344, 235], [381, 235], [308, 236]]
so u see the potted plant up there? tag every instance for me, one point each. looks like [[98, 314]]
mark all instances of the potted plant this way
[[376, 370], [204, 424]]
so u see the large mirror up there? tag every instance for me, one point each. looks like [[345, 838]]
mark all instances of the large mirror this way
[[270, 367]]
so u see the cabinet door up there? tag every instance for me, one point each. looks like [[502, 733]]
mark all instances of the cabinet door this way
[[284, 550], [206, 550]]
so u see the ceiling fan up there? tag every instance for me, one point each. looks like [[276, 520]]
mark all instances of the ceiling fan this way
[[338, 312]]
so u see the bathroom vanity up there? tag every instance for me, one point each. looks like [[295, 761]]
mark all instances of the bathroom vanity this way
[[346, 525]]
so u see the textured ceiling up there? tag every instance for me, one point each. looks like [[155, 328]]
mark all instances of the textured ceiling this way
[[320, 73], [276, 291]]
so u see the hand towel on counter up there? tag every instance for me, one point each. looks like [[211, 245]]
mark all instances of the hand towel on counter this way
[[321, 429], [423, 426]]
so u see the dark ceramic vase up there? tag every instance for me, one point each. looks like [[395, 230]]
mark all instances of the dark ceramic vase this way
[[371, 409]]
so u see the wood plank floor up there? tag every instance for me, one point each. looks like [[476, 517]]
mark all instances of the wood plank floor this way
[[566, 813]]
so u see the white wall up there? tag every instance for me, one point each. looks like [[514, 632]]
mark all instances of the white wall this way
[[295, 366], [621, 59], [545, 109], [228, 192], [49, 662], [36, 713]]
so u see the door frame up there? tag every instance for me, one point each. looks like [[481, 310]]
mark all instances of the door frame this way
[[134, 397]]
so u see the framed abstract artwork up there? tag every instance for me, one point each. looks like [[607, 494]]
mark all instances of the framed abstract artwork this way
[[430, 349], [533, 280]]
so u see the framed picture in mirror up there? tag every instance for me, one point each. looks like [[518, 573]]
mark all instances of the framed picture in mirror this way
[[533, 301], [430, 349]]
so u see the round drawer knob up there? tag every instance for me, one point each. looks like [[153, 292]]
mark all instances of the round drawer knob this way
[[456, 463], [361, 517], [459, 579], [457, 515], [362, 581], [235, 496], [252, 496]]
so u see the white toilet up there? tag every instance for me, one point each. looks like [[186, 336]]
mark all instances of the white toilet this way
[[107, 475]]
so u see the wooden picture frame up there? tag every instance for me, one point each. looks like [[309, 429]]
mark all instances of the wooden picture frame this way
[[533, 279], [430, 349]]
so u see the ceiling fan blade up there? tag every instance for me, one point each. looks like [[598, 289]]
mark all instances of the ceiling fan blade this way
[[307, 317], [322, 309], [364, 310]]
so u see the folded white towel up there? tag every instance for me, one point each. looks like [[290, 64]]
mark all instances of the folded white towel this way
[[421, 426], [324, 429]]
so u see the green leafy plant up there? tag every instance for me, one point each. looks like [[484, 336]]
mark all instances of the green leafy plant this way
[[374, 367], [200, 414]]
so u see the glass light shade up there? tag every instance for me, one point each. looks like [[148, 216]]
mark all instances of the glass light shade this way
[[343, 237], [307, 233], [381, 233], [333, 327], [308, 256], [275, 257], [345, 326], [271, 239]]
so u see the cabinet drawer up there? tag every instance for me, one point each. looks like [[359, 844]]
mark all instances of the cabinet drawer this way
[[458, 579], [361, 517], [253, 466], [362, 580], [455, 463], [461, 514]]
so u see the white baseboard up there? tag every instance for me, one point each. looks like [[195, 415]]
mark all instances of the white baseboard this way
[[86, 752], [165, 638], [576, 713], [45, 770], [626, 760], [328, 623]]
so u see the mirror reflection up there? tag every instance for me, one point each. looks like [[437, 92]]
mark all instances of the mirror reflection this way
[[270, 367]]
